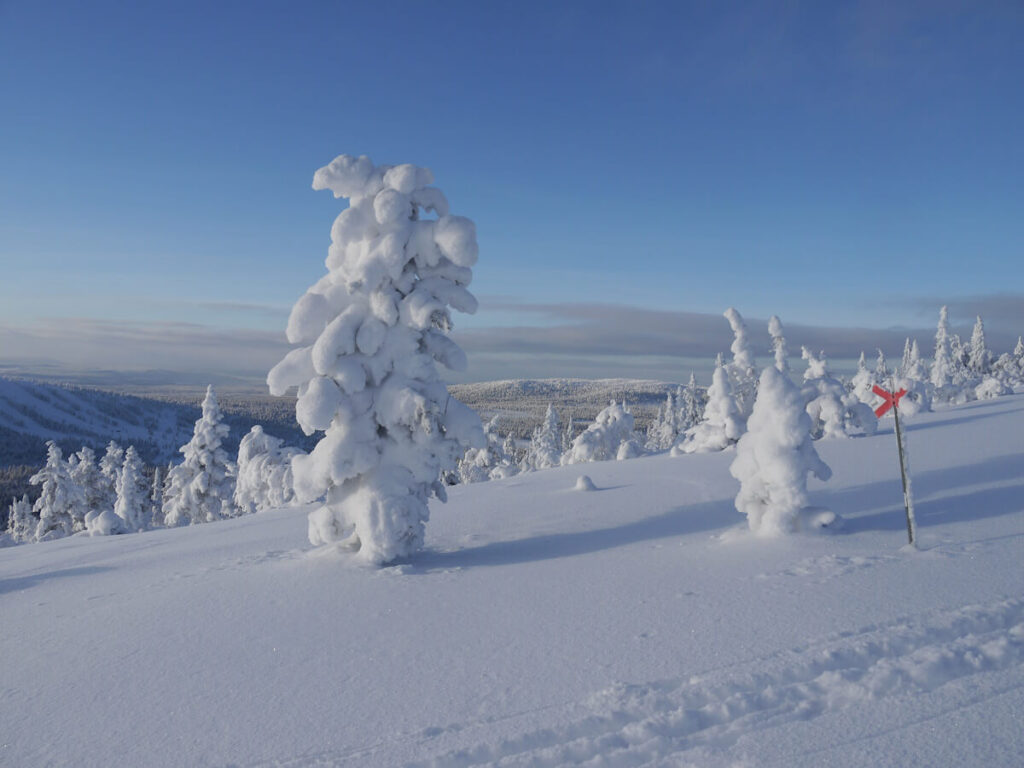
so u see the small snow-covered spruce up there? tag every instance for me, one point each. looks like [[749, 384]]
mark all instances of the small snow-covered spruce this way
[[691, 405], [862, 382], [942, 362], [156, 499], [774, 457], [264, 474], [905, 360], [110, 468], [741, 371], [611, 436], [92, 481], [664, 431], [132, 504], [568, 435], [492, 462], [545, 449], [21, 523], [779, 344], [834, 412], [979, 360], [58, 497], [882, 372], [371, 333], [200, 489], [721, 424]]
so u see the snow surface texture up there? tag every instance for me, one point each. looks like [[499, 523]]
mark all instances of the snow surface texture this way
[[546, 627], [373, 329]]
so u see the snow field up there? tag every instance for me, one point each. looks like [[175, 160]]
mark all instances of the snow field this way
[[640, 624]]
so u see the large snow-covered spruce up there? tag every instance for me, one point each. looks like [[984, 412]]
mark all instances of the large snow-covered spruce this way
[[200, 489], [774, 457], [371, 332], [58, 498], [264, 474]]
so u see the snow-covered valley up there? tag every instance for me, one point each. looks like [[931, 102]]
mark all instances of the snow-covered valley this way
[[639, 624]]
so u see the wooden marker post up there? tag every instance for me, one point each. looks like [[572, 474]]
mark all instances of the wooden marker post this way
[[892, 400]]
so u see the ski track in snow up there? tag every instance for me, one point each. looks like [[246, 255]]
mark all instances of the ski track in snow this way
[[687, 721]]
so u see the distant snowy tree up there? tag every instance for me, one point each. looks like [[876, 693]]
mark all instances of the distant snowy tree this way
[[959, 357], [774, 457], [779, 344], [691, 405], [132, 503], [569, 434], [58, 497], [882, 372], [264, 475], [862, 382], [721, 425], [156, 499], [21, 523], [110, 468], [833, 411], [200, 489], [93, 483], [491, 462], [942, 363], [611, 436], [373, 330], [992, 387], [980, 358], [545, 449], [664, 431], [741, 371]]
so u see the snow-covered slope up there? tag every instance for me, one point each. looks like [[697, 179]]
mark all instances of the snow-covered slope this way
[[545, 626]]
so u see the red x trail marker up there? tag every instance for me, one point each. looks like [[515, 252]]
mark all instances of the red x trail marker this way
[[891, 399]]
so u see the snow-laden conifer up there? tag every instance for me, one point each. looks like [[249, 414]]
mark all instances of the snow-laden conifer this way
[[264, 474], [664, 430], [58, 497], [741, 371], [568, 435], [942, 362], [833, 411], [979, 360], [691, 405], [774, 457], [491, 462], [89, 478], [110, 468], [775, 330], [371, 333], [156, 499], [545, 449], [721, 424], [200, 489], [132, 503], [611, 436], [21, 523], [862, 382]]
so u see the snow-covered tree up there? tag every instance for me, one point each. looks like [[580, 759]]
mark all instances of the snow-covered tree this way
[[21, 523], [721, 424], [372, 332], [664, 430], [774, 457], [568, 435], [93, 483], [200, 489], [833, 411], [980, 358], [264, 476], [691, 405], [862, 382], [882, 372], [942, 362], [905, 360], [110, 467], [545, 449], [611, 436], [779, 344], [741, 371], [132, 502], [491, 462], [156, 499], [58, 497]]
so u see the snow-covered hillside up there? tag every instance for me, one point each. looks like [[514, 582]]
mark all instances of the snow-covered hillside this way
[[634, 625]]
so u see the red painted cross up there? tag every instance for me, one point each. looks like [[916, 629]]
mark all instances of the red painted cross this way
[[891, 399]]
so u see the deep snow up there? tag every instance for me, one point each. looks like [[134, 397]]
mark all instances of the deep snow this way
[[634, 625]]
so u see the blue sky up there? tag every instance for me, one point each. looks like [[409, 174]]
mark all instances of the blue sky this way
[[638, 165]]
